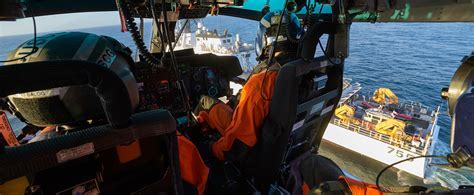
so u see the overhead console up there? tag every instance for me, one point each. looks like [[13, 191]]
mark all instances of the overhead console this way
[[10, 10], [184, 9]]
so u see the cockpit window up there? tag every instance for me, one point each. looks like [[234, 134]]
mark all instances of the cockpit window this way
[[214, 35]]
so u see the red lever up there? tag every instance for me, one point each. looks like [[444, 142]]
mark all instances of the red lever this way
[[6, 130]]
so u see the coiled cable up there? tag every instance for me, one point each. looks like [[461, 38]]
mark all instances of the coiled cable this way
[[312, 20], [126, 10]]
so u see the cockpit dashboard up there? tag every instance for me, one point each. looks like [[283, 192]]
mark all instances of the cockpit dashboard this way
[[198, 74]]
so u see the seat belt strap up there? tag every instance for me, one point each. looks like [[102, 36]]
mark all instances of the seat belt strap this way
[[295, 173]]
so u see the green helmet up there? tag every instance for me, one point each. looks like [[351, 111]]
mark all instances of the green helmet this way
[[72, 104]]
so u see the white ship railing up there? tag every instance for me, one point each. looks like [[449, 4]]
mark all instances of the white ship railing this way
[[420, 150], [429, 141], [349, 92]]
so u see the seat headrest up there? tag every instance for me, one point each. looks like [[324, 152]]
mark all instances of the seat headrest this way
[[35, 76]]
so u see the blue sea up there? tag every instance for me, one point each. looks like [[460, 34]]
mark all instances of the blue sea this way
[[414, 60]]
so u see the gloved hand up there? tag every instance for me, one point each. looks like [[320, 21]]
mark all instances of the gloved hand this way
[[202, 120], [218, 117]]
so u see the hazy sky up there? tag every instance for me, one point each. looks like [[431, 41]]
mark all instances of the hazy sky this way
[[59, 23]]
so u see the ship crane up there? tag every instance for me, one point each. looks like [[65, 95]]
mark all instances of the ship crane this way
[[345, 112], [392, 127], [385, 96]]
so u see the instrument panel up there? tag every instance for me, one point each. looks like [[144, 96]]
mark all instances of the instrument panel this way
[[161, 89], [204, 81]]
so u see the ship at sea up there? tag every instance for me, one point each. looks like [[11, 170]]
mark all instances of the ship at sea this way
[[195, 35], [384, 129]]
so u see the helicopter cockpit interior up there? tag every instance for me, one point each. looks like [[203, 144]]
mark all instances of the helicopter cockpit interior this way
[[134, 150], [170, 85]]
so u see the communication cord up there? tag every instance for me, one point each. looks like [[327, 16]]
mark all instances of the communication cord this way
[[126, 10], [377, 180]]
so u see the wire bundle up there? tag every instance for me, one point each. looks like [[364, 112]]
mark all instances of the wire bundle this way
[[126, 10]]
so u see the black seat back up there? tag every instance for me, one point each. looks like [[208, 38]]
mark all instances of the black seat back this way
[[305, 96], [54, 167], [89, 157]]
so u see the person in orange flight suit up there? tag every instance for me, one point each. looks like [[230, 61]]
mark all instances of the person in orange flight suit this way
[[244, 122]]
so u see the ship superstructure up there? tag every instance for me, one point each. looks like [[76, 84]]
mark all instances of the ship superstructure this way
[[384, 132], [195, 35]]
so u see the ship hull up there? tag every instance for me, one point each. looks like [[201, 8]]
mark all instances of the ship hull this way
[[378, 150]]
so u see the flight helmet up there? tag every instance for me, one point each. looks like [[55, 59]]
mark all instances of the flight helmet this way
[[290, 31], [71, 104]]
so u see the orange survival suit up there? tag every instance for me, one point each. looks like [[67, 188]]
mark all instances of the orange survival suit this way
[[360, 188], [193, 169], [351, 186], [244, 122]]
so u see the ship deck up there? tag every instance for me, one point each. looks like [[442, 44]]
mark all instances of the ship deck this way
[[418, 149], [420, 119]]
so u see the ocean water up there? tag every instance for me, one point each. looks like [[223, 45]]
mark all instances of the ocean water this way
[[414, 60]]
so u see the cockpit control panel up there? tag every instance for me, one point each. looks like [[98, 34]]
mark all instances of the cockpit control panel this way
[[160, 89]]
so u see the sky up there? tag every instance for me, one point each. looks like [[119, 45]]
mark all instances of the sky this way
[[59, 23]]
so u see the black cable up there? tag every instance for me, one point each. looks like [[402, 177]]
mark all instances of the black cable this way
[[308, 13], [327, 56], [377, 180], [168, 39], [320, 11], [35, 49], [126, 10], [174, 62], [321, 45], [167, 32], [272, 52], [177, 38], [319, 41], [313, 20], [158, 29], [142, 33], [165, 36], [307, 22], [180, 32]]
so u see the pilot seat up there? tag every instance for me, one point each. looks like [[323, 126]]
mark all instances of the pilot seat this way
[[305, 96], [124, 153]]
